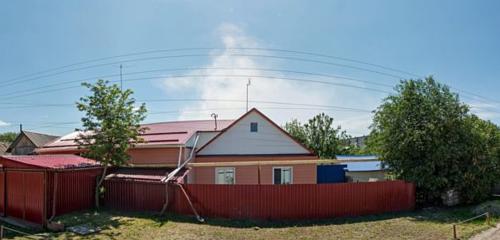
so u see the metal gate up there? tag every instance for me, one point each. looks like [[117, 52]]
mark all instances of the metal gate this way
[[331, 173], [24, 195]]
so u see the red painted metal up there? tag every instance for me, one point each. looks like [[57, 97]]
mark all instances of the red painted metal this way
[[75, 190], [297, 201], [300, 201], [46, 161], [134, 195], [27, 194]]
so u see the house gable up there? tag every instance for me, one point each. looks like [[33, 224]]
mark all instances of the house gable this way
[[268, 139]]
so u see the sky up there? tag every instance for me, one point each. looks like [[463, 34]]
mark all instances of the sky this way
[[188, 59]]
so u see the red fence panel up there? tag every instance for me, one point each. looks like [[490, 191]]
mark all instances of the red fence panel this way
[[75, 190], [134, 195], [2, 193], [297, 201], [301, 201], [26, 201]]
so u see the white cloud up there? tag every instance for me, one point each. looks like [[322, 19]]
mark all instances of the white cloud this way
[[217, 85], [4, 124]]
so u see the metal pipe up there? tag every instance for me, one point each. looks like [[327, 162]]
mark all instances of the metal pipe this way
[[54, 197], [173, 173], [198, 217]]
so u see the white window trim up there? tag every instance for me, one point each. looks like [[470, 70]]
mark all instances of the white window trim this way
[[219, 168], [284, 167]]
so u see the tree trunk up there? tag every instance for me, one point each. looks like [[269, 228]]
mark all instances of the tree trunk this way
[[98, 185]]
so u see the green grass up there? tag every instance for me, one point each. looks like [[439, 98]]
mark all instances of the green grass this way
[[422, 224]]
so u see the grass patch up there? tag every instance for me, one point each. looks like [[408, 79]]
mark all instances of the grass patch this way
[[422, 224]]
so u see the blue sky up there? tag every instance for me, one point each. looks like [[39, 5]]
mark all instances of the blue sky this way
[[456, 41]]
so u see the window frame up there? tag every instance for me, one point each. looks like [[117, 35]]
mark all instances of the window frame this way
[[256, 127], [281, 168], [225, 168]]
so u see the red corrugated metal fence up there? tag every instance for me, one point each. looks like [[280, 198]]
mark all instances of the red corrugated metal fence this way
[[134, 195], [28, 194], [297, 201]]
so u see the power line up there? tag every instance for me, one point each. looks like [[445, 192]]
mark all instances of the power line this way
[[209, 49], [212, 75], [6, 84], [7, 95], [15, 80]]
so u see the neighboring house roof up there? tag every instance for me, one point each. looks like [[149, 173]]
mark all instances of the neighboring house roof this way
[[156, 134], [138, 174], [3, 147], [51, 161], [361, 163], [38, 139], [357, 157], [364, 166]]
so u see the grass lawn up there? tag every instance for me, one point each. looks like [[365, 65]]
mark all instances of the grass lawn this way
[[422, 224]]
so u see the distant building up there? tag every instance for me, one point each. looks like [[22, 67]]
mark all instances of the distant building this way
[[363, 168], [26, 142], [3, 147], [359, 142]]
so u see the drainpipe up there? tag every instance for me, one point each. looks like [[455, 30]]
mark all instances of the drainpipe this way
[[54, 197], [191, 154], [180, 166]]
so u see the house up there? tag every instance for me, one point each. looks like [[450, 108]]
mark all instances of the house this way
[[249, 150], [363, 168], [3, 147], [359, 142], [26, 142]]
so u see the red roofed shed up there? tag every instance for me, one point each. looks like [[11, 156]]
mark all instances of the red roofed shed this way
[[35, 188]]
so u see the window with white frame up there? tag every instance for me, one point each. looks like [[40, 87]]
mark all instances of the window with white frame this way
[[224, 175], [282, 175]]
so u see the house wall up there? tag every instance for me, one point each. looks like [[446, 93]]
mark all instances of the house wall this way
[[155, 156], [23, 147], [365, 176], [302, 173], [238, 139]]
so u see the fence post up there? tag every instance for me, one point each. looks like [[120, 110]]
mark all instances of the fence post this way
[[1, 232], [488, 219], [455, 232]]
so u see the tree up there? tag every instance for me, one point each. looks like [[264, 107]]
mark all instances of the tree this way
[[111, 125], [481, 163], [8, 137], [319, 135], [427, 136]]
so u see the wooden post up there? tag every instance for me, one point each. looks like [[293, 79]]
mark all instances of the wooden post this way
[[1, 232], [455, 232], [488, 219]]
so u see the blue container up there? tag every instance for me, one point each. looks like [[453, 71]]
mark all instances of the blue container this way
[[331, 173]]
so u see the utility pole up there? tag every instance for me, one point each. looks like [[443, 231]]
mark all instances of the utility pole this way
[[121, 78], [214, 116], [248, 84]]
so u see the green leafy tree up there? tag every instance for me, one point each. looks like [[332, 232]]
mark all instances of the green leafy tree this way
[[480, 164], [427, 136], [8, 137], [319, 135], [111, 125]]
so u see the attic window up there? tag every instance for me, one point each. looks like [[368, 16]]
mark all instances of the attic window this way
[[254, 127]]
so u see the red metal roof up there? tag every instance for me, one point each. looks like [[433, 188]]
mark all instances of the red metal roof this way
[[141, 174], [48, 161], [164, 133]]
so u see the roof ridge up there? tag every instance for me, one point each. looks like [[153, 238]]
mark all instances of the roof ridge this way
[[181, 121], [39, 133]]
